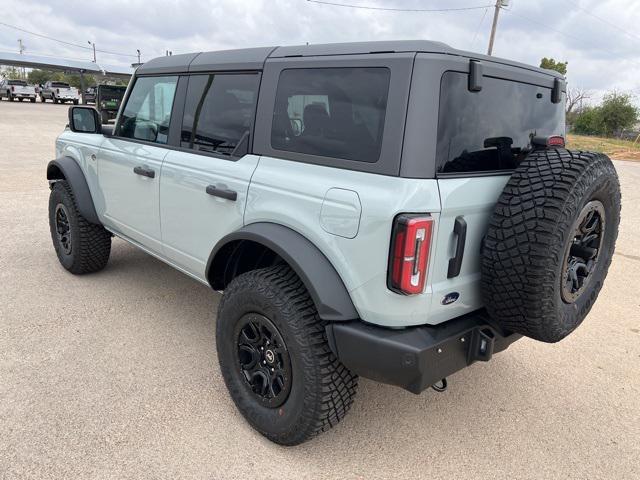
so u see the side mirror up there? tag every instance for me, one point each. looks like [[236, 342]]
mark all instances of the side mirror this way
[[84, 120]]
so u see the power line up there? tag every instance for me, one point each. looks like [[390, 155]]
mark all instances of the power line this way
[[71, 44], [581, 40], [390, 9], [475, 35], [603, 20]]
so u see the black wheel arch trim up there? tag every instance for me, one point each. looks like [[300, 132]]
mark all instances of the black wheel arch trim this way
[[68, 169], [321, 279]]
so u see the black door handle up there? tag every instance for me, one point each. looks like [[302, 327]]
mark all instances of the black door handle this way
[[460, 229], [222, 193], [145, 172]]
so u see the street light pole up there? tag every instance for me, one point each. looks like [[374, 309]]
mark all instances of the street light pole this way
[[94, 50], [494, 26]]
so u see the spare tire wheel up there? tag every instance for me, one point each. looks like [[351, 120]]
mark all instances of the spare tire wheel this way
[[550, 242]]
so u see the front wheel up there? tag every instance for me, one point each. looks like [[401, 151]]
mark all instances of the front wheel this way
[[81, 246], [275, 359]]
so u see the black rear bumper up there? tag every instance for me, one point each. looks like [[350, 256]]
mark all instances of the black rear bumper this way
[[417, 357]]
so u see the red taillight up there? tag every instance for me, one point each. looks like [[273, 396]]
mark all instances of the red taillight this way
[[57, 90], [13, 89], [409, 256], [555, 141], [548, 142]]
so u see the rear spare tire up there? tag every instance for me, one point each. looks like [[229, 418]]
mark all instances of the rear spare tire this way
[[550, 242]]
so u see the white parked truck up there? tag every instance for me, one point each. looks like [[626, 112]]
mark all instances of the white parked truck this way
[[17, 89], [59, 92]]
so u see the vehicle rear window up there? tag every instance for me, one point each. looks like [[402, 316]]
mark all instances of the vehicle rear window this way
[[59, 85], [219, 112], [491, 129], [331, 112], [20, 83]]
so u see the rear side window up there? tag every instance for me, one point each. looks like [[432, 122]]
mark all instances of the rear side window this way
[[147, 113], [331, 112], [219, 112], [491, 129]]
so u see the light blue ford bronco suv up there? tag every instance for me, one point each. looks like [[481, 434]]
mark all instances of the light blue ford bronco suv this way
[[391, 210]]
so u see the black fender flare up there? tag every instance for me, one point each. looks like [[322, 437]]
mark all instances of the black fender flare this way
[[68, 169], [321, 279]]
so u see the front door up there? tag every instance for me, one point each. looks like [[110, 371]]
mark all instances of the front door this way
[[204, 184], [129, 163]]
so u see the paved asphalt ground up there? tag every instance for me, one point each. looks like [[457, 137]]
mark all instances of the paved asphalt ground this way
[[115, 375]]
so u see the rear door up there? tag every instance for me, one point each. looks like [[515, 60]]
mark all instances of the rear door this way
[[204, 182], [129, 163], [482, 137]]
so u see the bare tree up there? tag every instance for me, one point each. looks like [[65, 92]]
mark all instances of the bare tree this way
[[575, 98]]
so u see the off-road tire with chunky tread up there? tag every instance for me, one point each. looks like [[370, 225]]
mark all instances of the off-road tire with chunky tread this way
[[322, 388], [528, 237], [90, 243]]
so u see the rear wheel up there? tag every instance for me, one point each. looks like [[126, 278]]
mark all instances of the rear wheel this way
[[81, 246], [550, 242], [275, 359], [10, 97], [32, 100]]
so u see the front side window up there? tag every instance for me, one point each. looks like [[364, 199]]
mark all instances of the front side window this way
[[491, 129], [147, 113], [331, 112], [218, 112]]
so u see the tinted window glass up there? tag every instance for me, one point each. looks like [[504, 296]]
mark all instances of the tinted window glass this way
[[491, 129], [21, 83], [59, 85], [331, 112], [218, 112], [147, 113]]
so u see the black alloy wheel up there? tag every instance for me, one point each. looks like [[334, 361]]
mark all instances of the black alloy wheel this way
[[581, 256], [263, 359], [63, 228]]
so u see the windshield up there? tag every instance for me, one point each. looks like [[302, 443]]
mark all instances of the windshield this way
[[492, 129], [111, 92]]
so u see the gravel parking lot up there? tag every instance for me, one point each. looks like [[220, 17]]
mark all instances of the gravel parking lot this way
[[114, 375]]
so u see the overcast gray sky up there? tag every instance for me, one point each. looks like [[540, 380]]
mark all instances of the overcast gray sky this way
[[603, 53]]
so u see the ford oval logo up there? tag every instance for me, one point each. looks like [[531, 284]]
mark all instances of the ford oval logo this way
[[449, 298]]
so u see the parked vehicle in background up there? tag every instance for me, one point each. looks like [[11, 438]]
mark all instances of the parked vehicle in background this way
[[89, 96], [59, 92], [17, 89], [395, 210], [108, 99]]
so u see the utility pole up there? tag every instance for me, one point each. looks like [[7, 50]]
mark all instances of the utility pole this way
[[499, 4], [94, 50], [22, 49]]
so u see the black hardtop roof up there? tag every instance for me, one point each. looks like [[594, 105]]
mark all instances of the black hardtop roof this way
[[254, 58]]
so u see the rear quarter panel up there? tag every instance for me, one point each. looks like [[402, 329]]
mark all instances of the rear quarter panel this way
[[292, 194]]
